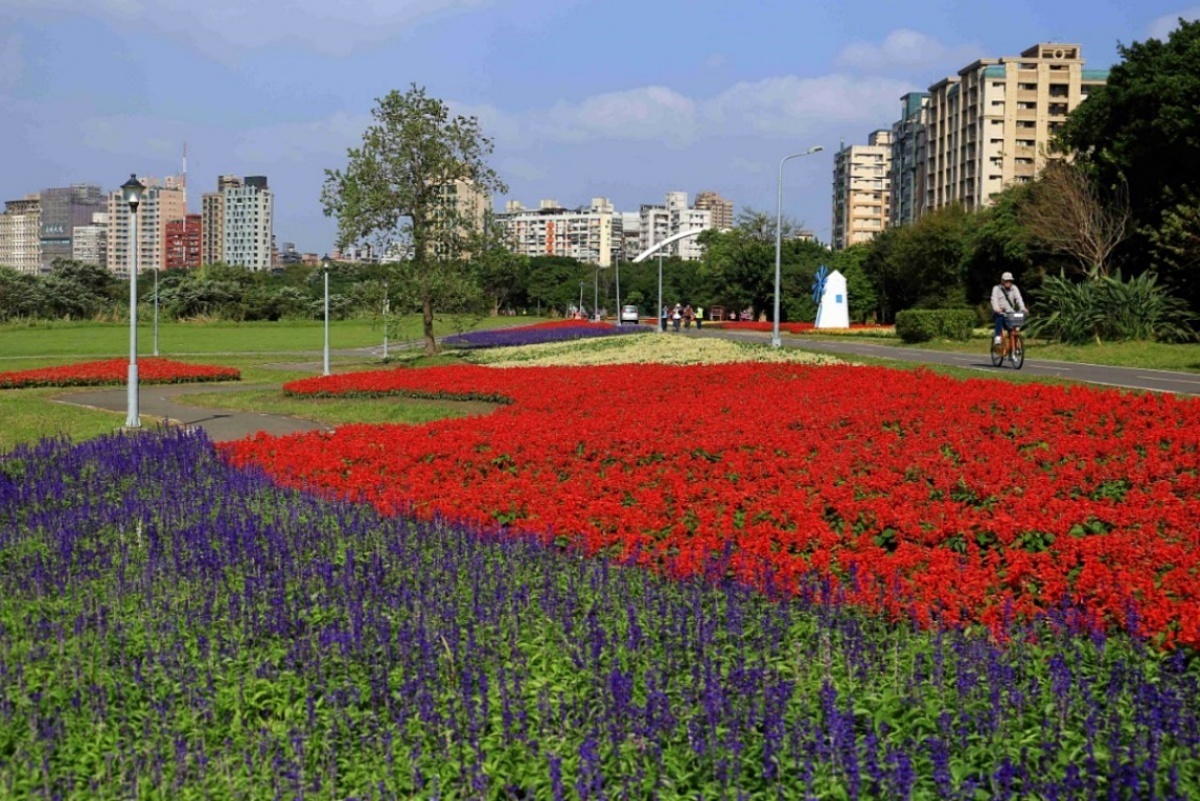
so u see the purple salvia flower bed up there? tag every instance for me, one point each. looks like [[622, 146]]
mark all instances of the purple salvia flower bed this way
[[171, 626], [530, 335]]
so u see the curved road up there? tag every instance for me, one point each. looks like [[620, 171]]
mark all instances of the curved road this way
[[1173, 381]]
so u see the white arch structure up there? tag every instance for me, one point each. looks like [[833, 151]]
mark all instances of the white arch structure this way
[[658, 248]]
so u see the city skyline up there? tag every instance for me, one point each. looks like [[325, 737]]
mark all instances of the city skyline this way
[[626, 112]]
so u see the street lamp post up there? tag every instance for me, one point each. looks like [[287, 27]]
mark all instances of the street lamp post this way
[[156, 310], [386, 306], [620, 316], [662, 319], [596, 293], [775, 340], [581, 297], [325, 271], [131, 193]]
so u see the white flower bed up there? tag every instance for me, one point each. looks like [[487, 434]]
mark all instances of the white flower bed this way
[[644, 349]]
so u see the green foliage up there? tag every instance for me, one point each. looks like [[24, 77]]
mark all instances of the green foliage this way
[[1141, 125], [922, 325], [1110, 308], [1175, 246], [920, 265], [402, 184], [998, 243]]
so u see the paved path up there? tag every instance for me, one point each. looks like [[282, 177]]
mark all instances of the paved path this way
[[1127, 377], [164, 402]]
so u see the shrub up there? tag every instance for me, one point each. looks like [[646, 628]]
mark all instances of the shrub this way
[[921, 325], [1111, 308]]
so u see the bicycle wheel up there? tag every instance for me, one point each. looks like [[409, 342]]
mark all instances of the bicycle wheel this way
[[997, 353], [1018, 352]]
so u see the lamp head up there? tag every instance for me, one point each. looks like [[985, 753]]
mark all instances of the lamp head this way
[[131, 192], [816, 148]]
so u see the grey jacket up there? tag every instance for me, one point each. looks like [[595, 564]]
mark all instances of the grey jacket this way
[[1002, 304]]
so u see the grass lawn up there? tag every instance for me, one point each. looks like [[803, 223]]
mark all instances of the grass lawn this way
[[91, 339], [27, 415]]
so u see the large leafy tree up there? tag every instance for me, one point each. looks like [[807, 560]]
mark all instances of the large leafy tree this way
[[396, 187], [920, 265]]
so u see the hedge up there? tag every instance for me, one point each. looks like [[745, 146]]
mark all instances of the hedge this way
[[921, 325]]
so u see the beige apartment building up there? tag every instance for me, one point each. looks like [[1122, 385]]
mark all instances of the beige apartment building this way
[[162, 202], [720, 208], [592, 233], [991, 125], [20, 235], [212, 220], [862, 190]]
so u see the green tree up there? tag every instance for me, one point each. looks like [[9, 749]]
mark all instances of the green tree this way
[[21, 295], [920, 265], [1140, 127], [397, 186]]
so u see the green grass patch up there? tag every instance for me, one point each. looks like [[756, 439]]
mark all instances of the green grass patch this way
[[337, 411], [27, 415]]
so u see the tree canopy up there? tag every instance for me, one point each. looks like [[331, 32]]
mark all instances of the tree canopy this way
[[403, 184]]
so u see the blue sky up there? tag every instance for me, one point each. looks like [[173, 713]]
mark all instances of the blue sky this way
[[627, 100]]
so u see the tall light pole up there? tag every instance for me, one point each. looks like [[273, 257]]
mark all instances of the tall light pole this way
[[131, 193], [386, 306], [156, 310], [775, 340], [662, 318], [325, 272], [596, 293], [581, 297], [620, 316]]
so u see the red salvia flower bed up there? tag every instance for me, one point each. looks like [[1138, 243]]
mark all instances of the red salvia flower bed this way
[[151, 370], [917, 494]]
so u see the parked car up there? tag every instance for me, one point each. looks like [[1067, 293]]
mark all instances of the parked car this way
[[629, 314]]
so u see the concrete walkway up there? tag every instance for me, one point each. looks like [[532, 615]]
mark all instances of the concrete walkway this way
[[1125, 377], [165, 402]]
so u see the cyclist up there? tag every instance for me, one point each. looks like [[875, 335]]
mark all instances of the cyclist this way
[[1006, 299]]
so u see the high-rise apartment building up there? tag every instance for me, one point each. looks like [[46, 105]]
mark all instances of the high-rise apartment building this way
[[720, 208], [212, 225], [908, 159], [183, 242], [991, 125], [661, 222], [464, 206], [590, 233], [20, 234], [861, 190], [63, 209], [162, 201], [89, 243], [249, 223]]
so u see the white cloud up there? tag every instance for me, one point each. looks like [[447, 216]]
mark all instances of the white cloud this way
[[790, 105], [12, 64], [651, 112], [302, 141], [903, 48], [224, 28], [1162, 27]]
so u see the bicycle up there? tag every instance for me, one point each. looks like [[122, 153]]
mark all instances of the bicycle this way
[[1011, 345]]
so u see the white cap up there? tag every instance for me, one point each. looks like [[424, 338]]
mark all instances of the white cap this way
[[1006, 277]]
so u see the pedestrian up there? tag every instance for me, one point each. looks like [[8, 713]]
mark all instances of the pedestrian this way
[[688, 316], [677, 317], [699, 316], [662, 322]]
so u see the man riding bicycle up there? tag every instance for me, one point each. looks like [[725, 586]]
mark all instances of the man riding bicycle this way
[[1006, 299]]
